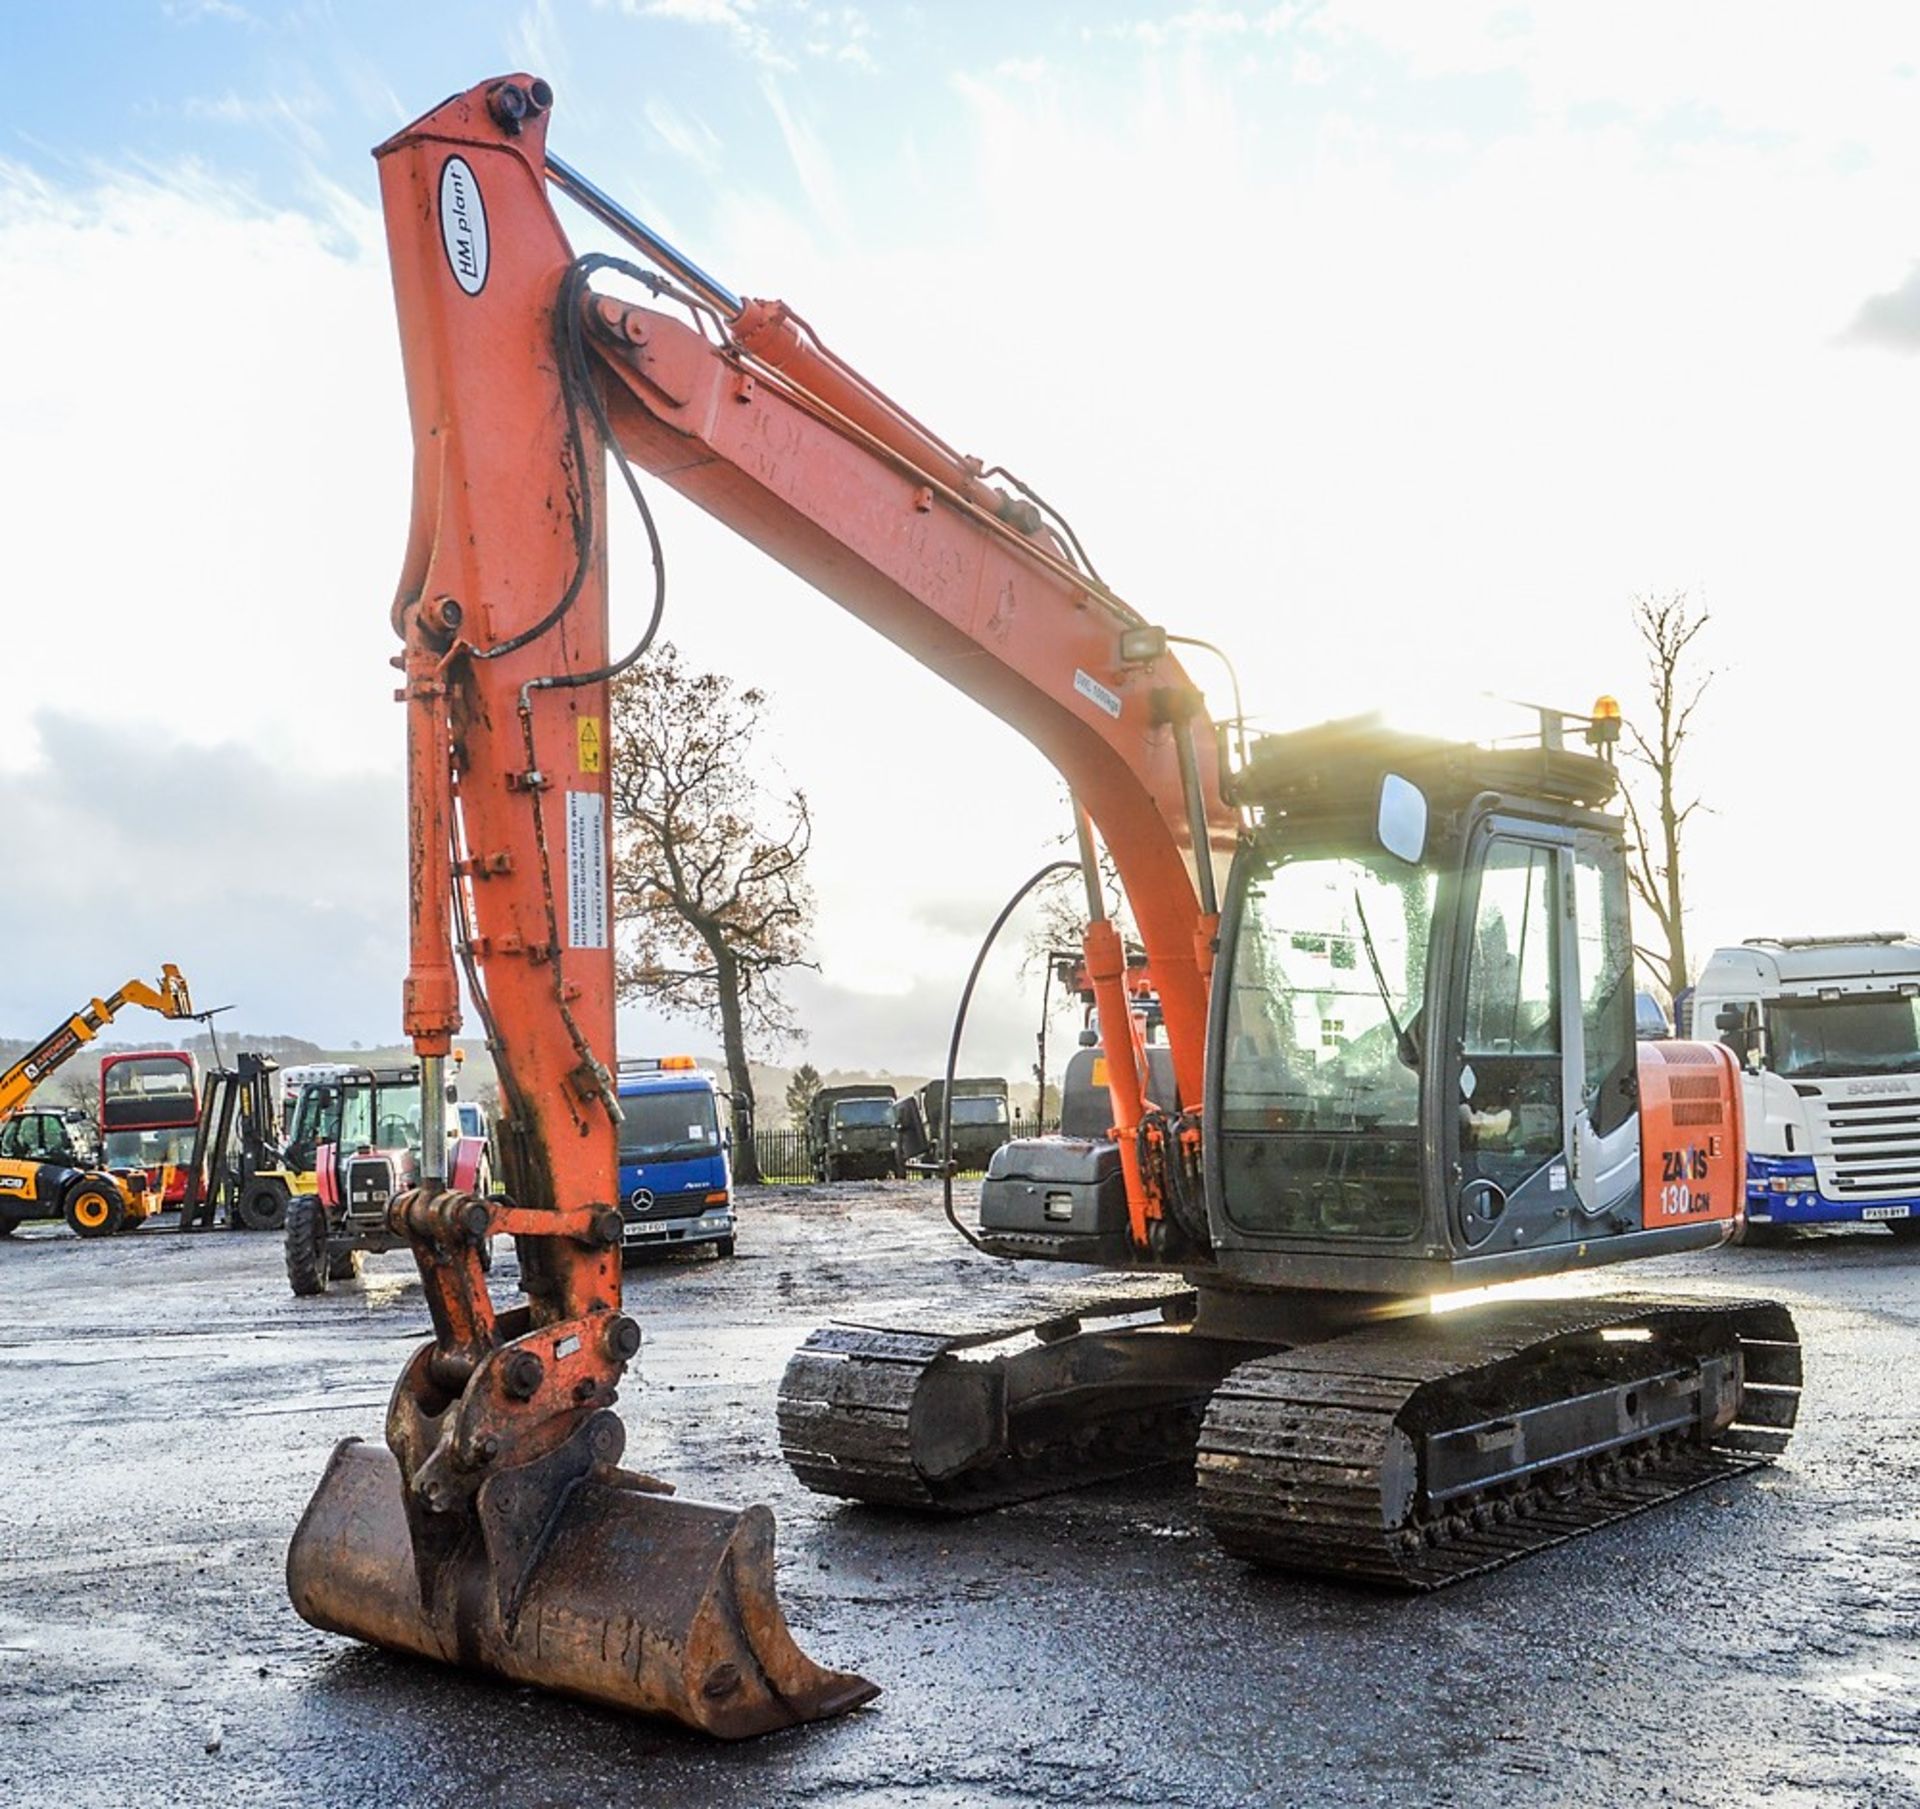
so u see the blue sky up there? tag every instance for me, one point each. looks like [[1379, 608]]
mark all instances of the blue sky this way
[[1393, 345]]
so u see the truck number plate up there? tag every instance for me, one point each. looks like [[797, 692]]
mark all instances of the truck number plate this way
[[1886, 1212]]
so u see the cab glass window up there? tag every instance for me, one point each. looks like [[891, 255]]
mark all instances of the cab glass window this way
[[1320, 1087], [1512, 999], [1511, 1099], [1604, 955], [356, 1118]]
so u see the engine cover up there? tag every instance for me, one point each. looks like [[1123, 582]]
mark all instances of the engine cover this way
[[1055, 1186]]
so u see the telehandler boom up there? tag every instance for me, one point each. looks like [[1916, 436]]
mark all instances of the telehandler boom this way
[[169, 998], [1394, 974], [38, 1182]]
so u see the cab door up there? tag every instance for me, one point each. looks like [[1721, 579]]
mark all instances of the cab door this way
[[1516, 1043], [1605, 1135]]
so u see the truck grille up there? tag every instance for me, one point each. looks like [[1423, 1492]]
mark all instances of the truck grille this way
[[644, 1204], [369, 1187], [1874, 1142]]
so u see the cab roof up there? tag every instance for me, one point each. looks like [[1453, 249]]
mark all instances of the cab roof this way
[[1336, 769], [1871, 962]]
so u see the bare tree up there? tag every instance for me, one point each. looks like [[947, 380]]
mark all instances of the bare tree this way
[[1658, 816], [709, 868], [1059, 909], [1059, 929], [77, 1088]]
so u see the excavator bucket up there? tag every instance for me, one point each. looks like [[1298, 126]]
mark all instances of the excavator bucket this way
[[633, 1599]]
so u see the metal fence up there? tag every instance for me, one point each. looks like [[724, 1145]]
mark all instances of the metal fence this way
[[783, 1154]]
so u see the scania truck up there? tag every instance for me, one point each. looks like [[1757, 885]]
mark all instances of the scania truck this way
[[1827, 1031]]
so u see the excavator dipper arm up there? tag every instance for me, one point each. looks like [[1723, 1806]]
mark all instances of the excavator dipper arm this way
[[494, 1528]]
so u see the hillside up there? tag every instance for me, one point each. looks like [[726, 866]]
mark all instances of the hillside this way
[[77, 1083]]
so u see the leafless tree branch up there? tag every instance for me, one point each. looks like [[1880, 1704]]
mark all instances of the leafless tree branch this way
[[709, 868]]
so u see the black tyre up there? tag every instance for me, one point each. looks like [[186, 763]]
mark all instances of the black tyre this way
[[306, 1246], [345, 1265], [263, 1207], [1905, 1231], [94, 1209], [8, 1227], [724, 1247], [1762, 1237]]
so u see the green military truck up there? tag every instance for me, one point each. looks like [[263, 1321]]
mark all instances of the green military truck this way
[[851, 1134], [982, 1121]]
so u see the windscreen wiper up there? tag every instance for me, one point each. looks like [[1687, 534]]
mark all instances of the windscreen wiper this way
[[1404, 1045]]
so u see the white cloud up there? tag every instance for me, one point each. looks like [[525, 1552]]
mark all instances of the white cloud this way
[[740, 20], [1890, 320], [1843, 72], [1197, 26], [775, 33], [290, 116], [193, 12], [272, 887], [691, 138], [812, 162], [211, 503]]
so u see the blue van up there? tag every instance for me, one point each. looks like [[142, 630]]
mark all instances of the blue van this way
[[676, 1190]]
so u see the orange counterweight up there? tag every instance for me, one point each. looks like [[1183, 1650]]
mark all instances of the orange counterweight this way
[[1693, 1145]]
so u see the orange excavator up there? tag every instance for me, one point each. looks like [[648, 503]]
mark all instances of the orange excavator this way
[[1394, 975]]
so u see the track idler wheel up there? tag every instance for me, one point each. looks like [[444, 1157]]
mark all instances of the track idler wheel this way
[[611, 1592]]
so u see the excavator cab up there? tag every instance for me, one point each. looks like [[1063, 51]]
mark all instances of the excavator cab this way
[[1421, 1071], [1421, 1075], [1423, 1064]]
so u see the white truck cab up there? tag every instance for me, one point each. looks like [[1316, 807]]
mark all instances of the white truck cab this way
[[1827, 1031]]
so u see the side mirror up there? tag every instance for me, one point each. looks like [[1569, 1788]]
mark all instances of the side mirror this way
[[1400, 824]]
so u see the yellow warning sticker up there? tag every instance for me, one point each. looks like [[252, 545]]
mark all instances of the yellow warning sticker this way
[[589, 744]]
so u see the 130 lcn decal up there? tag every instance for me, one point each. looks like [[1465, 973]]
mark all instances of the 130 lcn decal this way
[[1679, 1170]]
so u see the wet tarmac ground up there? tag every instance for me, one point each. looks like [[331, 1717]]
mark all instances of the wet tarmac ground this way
[[169, 1407]]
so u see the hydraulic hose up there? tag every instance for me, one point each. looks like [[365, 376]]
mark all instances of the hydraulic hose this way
[[960, 1024]]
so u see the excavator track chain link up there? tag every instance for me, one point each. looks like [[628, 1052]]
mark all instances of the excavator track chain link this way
[[1325, 1459], [855, 1400]]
